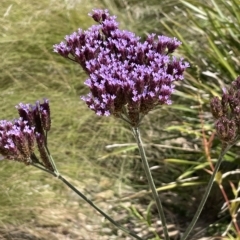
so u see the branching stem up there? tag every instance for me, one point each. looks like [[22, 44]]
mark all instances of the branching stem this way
[[55, 173]]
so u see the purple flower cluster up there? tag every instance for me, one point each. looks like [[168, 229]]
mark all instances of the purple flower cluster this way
[[17, 140], [37, 115], [227, 113], [19, 137], [127, 77]]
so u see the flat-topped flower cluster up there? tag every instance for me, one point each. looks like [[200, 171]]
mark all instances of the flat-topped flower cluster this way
[[127, 77]]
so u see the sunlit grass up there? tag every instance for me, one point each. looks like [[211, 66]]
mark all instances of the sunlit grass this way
[[31, 71], [210, 34], [85, 146]]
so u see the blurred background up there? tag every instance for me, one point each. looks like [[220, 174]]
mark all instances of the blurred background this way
[[98, 154]]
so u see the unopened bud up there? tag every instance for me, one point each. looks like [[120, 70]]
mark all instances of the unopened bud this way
[[226, 129]]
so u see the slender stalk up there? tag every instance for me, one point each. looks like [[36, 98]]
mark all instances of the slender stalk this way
[[206, 194], [56, 173], [150, 181], [98, 209], [51, 160], [44, 169]]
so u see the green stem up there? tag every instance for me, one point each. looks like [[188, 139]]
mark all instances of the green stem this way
[[51, 160], [98, 209], [150, 181], [206, 194], [41, 167], [56, 173]]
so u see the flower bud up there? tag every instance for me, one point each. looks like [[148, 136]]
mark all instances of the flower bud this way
[[216, 107], [43, 151], [17, 140], [45, 115], [226, 129]]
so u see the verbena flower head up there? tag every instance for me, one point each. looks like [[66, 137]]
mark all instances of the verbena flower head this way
[[19, 137], [37, 115], [227, 113], [17, 140], [127, 77]]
